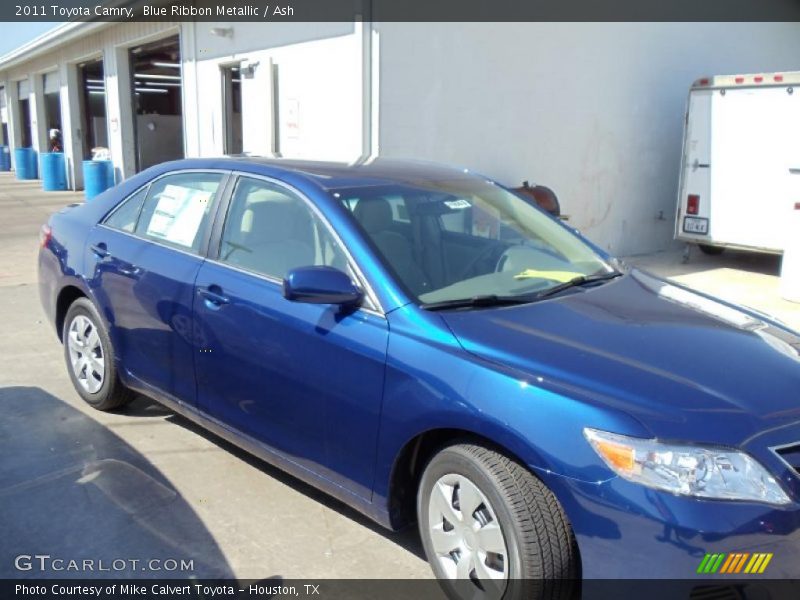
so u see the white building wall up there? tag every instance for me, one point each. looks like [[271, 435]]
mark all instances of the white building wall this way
[[314, 69], [593, 110], [13, 120]]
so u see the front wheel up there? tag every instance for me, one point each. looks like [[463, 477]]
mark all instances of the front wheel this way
[[491, 529], [90, 358]]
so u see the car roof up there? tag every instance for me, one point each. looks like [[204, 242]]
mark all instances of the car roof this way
[[332, 175]]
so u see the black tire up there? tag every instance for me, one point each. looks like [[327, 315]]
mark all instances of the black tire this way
[[542, 557], [112, 393], [711, 250]]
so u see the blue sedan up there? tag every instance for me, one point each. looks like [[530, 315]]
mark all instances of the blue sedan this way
[[428, 347]]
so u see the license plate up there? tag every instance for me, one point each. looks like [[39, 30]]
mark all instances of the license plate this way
[[695, 225]]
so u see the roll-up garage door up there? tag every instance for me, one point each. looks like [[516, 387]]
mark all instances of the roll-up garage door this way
[[52, 84], [23, 89]]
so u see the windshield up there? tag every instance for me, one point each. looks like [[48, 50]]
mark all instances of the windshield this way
[[467, 238]]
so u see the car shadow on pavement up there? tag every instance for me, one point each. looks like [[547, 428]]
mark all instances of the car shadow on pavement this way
[[73, 490], [408, 538], [142, 406]]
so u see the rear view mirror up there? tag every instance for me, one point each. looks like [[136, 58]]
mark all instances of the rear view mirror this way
[[321, 285]]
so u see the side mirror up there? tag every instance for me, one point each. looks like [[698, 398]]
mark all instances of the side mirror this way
[[321, 285]]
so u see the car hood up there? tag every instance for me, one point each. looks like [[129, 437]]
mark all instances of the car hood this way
[[688, 367]]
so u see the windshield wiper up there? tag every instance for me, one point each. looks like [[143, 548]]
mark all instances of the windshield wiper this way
[[488, 300], [477, 302], [576, 282]]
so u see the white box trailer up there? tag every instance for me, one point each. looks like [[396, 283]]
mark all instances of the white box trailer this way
[[740, 170]]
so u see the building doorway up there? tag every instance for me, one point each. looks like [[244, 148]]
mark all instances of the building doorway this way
[[157, 84], [91, 79], [232, 109], [52, 111]]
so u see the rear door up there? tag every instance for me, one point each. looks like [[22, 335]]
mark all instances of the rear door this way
[[146, 256]]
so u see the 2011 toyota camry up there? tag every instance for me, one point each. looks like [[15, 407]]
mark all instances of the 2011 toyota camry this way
[[427, 346]]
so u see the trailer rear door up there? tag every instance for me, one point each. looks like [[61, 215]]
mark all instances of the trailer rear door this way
[[755, 140]]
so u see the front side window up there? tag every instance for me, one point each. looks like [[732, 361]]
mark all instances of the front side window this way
[[270, 230], [177, 208], [467, 238]]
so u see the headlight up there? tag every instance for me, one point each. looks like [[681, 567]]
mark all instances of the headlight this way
[[687, 470]]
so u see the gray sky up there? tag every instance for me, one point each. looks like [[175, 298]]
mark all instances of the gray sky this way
[[15, 34]]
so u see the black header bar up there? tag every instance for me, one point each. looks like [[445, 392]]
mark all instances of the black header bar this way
[[400, 10]]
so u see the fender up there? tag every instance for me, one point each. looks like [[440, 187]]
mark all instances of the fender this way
[[539, 422]]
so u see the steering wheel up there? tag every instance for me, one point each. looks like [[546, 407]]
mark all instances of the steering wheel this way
[[483, 255]]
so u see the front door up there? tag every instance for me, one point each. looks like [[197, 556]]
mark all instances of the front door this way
[[304, 379]]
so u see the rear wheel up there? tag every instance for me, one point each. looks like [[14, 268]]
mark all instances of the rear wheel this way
[[491, 529], [90, 358], [711, 250]]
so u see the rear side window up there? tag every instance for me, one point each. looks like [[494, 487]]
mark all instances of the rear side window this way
[[177, 209], [126, 214]]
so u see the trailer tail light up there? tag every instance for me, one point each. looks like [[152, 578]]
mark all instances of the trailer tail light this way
[[45, 234], [739, 80], [692, 204], [778, 78], [758, 79]]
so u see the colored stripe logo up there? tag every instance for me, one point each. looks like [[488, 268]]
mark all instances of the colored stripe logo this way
[[735, 562]]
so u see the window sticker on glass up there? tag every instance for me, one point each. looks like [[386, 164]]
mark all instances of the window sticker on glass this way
[[178, 214], [457, 204]]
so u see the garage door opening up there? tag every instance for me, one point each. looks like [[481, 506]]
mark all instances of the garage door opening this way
[[23, 94], [232, 107], [91, 78], [157, 86], [52, 111]]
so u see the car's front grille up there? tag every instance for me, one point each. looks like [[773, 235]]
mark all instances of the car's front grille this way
[[791, 455]]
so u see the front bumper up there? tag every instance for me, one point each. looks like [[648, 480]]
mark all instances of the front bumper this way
[[627, 531]]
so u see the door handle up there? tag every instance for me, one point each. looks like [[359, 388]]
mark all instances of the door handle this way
[[213, 295], [100, 250], [129, 271]]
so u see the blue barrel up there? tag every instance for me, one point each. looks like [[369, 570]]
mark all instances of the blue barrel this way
[[98, 176], [54, 175], [5, 158], [25, 163]]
